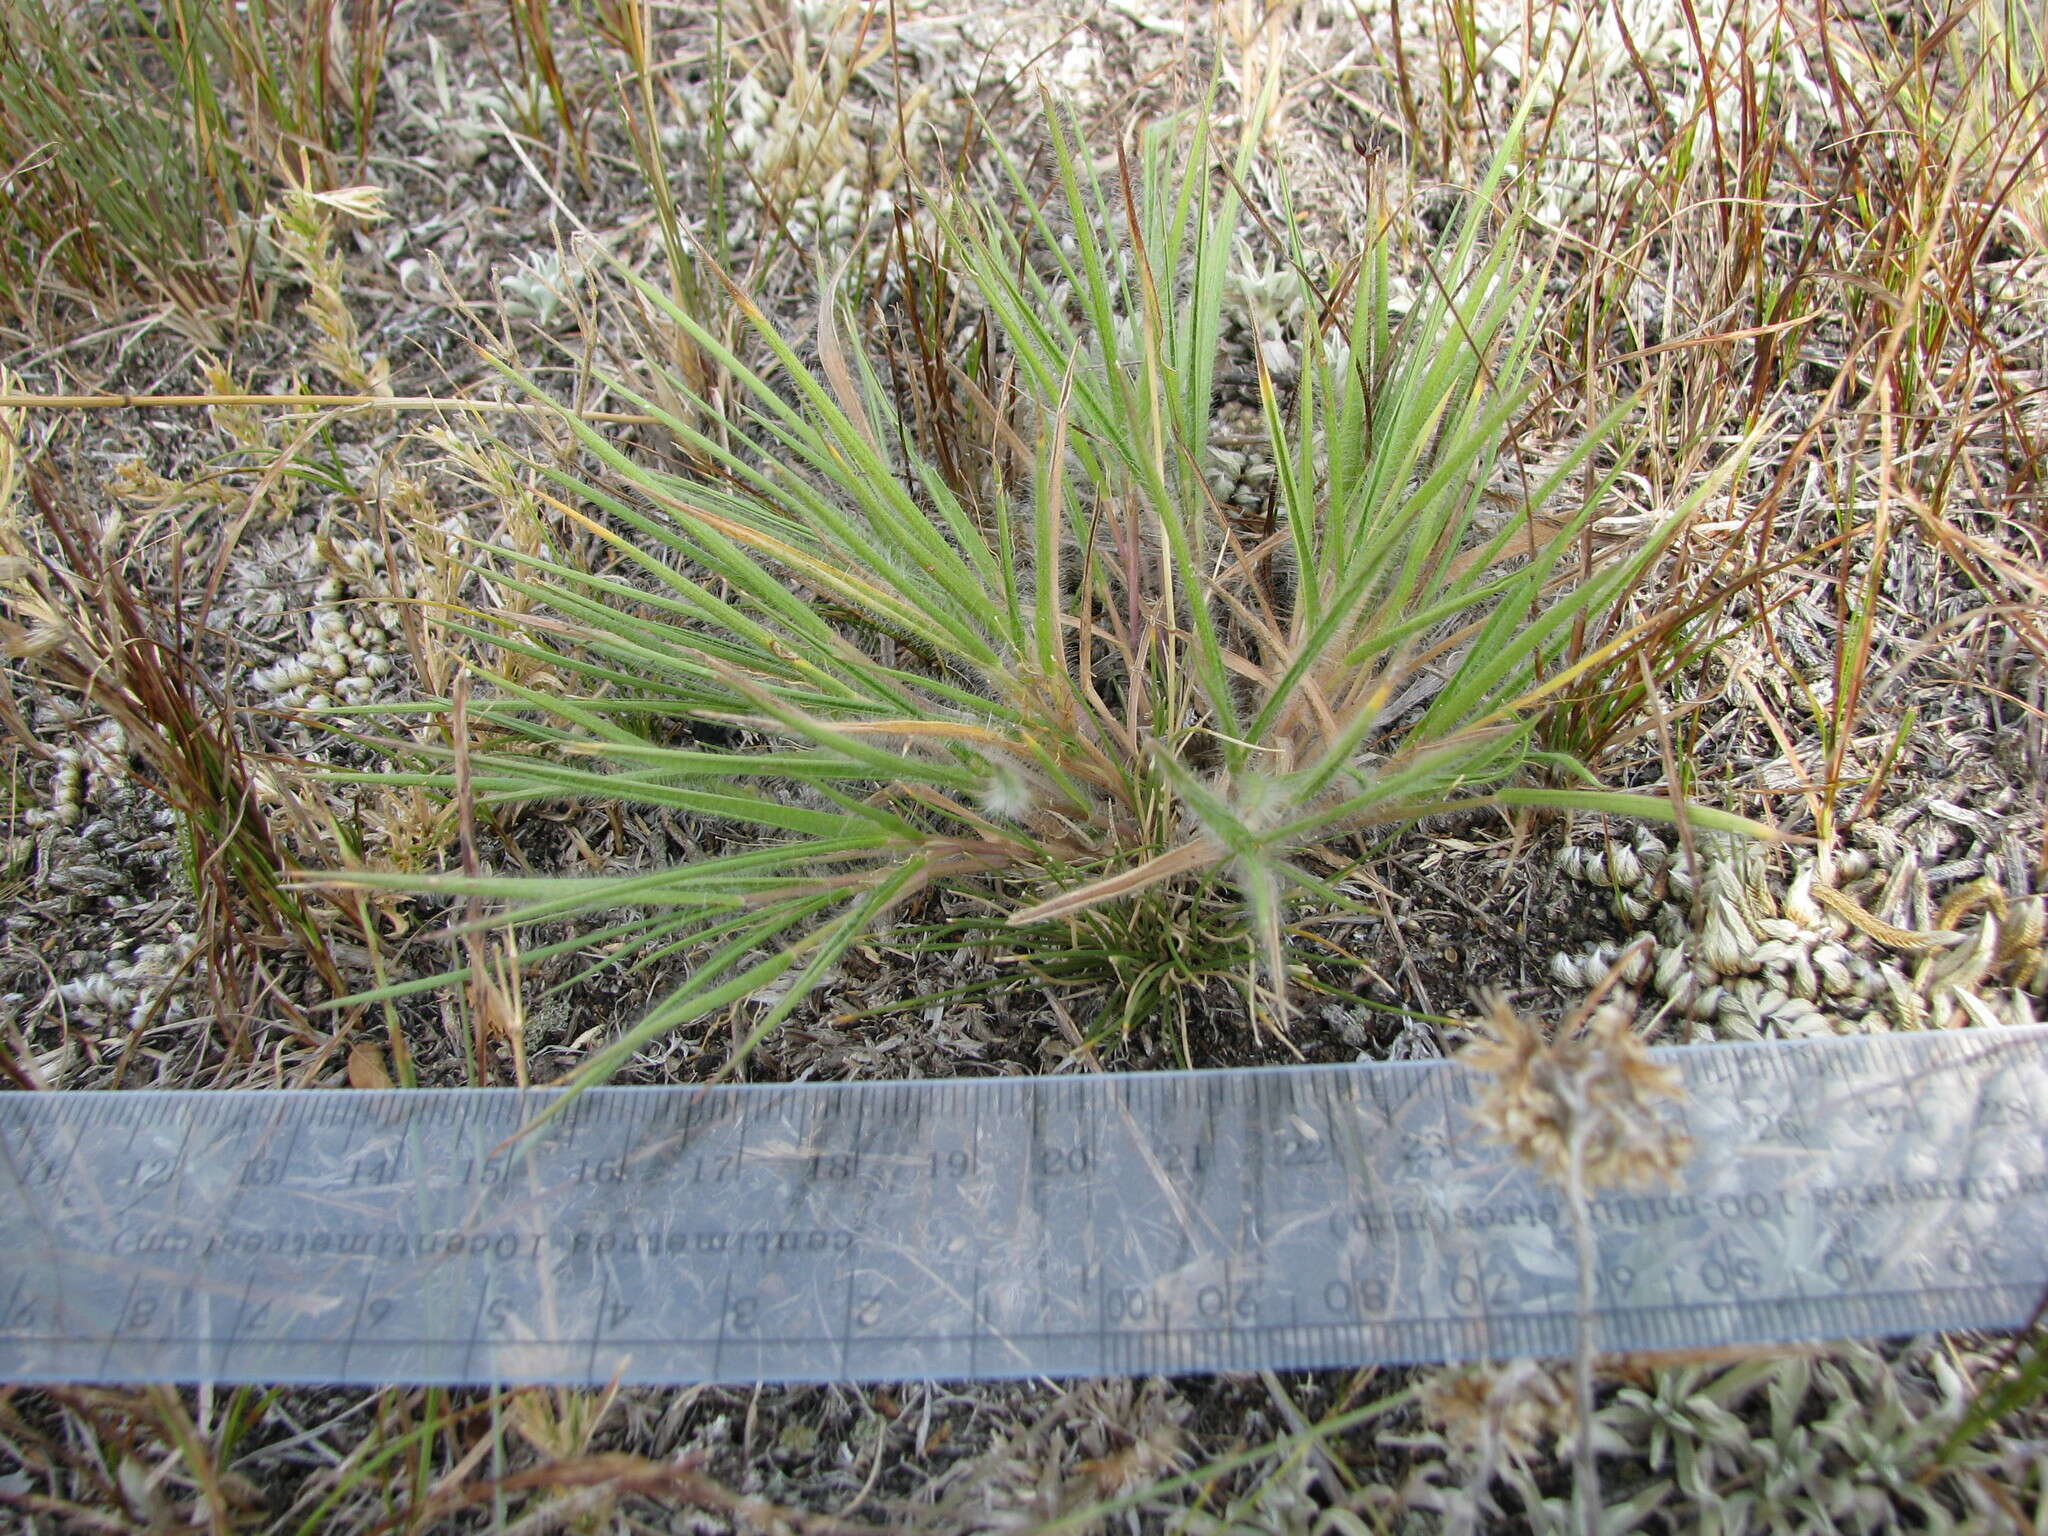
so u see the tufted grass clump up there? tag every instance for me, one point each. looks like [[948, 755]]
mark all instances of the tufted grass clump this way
[[99, 195], [1070, 678], [139, 144]]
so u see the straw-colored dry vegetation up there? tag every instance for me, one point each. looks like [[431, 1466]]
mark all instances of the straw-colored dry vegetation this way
[[863, 540]]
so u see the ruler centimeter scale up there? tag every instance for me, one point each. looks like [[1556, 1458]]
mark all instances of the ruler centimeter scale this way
[[1168, 1222]]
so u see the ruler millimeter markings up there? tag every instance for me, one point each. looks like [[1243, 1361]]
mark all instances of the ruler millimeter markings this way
[[1165, 1222]]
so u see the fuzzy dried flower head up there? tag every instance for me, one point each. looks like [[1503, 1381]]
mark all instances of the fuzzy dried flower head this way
[[1595, 1086], [1493, 1414]]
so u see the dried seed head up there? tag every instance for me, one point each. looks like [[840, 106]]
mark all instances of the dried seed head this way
[[1593, 1089], [2027, 920], [1493, 1415]]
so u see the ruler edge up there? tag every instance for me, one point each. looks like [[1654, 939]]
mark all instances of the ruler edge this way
[[2011, 1038]]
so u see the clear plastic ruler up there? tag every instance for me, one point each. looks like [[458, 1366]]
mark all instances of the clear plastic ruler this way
[[1179, 1222]]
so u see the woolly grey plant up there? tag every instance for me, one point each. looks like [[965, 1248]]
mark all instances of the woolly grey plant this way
[[1840, 1439], [1080, 681]]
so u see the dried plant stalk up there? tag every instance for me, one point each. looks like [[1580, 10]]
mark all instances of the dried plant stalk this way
[[1580, 1107]]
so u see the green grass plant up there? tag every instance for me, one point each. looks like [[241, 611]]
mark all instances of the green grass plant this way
[[100, 194], [1081, 682], [135, 145], [277, 89]]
